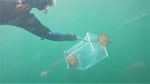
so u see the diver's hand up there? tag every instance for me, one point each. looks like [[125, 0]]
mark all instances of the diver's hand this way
[[71, 37]]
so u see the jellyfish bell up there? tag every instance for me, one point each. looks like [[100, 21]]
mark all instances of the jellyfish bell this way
[[104, 40], [138, 66], [72, 60], [45, 73]]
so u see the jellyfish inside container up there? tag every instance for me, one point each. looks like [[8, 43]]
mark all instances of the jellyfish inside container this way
[[72, 60]]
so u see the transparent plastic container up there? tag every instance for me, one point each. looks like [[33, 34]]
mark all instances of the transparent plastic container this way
[[85, 53]]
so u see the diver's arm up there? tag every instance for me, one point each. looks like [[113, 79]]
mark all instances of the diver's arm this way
[[32, 24]]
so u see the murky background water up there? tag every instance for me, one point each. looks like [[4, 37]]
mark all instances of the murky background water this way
[[23, 56]]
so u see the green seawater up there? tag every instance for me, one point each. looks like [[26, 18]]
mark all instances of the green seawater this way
[[23, 56]]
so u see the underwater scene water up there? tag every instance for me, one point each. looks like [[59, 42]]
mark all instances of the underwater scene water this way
[[25, 58]]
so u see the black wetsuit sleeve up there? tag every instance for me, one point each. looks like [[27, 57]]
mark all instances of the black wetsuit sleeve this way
[[30, 23]]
